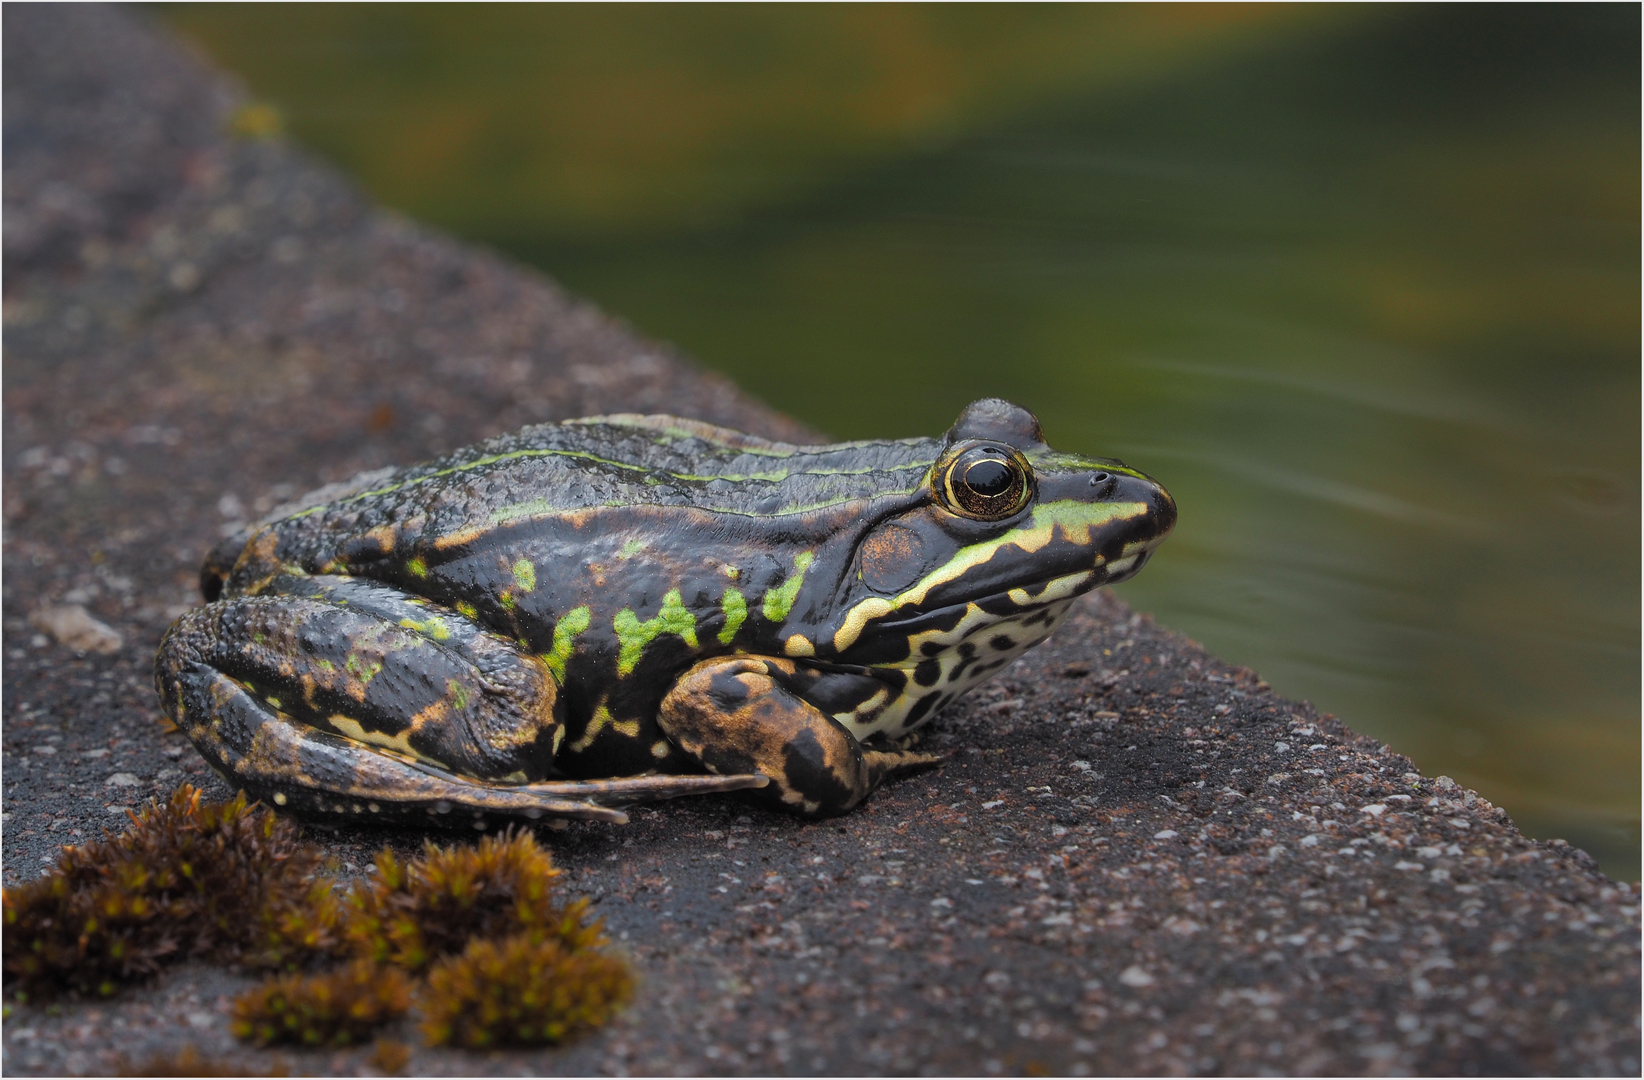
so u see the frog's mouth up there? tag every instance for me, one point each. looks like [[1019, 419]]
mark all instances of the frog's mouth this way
[[1019, 599], [991, 607], [1072, 547], [897, 639], [1129, 564]]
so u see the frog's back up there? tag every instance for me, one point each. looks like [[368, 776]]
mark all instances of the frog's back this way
[[626, 461], [560, 469]]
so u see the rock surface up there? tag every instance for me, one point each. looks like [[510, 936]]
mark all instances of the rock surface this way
[[1139, 860]]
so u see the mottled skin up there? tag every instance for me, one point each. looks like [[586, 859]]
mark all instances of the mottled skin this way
[[624, 608]]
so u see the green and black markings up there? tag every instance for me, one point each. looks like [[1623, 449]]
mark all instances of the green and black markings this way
[[583, 614]]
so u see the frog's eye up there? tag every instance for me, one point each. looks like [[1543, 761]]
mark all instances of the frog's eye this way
[[987, 482]]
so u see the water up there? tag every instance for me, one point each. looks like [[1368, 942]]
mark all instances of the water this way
[[1365, 298]]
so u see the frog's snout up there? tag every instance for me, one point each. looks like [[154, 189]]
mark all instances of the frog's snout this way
[[1164, 509], [1161, 507]]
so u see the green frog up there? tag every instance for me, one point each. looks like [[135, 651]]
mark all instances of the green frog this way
[[577, 616]]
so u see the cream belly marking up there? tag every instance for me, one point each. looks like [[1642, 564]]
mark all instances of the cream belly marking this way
[[354, 730]]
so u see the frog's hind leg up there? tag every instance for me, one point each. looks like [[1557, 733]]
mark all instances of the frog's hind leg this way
[[327, 777], [737, 715], [338, 698], [318, 775]]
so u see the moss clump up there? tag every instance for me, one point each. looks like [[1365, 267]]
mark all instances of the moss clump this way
[[390, 1057], [190, 1062], [506, 961], [530, 969], [523, 991], [224, 881], [339, 1008], [413, 913]]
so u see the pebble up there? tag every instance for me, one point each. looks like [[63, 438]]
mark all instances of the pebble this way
[[75, 628]]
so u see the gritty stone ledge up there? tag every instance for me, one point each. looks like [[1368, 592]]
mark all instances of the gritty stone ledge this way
[[1137, 860]]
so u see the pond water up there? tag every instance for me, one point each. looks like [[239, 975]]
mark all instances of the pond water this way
[[1365, 298]]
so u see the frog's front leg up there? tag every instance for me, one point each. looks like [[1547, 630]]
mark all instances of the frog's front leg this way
[[339, 697], [740, 714]]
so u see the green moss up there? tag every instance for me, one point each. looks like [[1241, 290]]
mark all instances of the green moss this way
[[523, 991], [339, 1008]]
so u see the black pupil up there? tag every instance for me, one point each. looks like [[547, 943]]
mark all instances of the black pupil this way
[[990, 479]]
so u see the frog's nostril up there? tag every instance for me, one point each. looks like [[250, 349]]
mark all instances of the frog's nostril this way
[[1098, 479]]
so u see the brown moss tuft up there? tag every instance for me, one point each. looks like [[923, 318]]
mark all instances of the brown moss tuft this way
[[190, 1062], [524, 991], [231, 882], [390, 1057], [189, 879], [339, 1008], [411, 914]]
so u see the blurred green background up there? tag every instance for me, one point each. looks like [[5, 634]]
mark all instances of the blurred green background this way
[[1361, 285]]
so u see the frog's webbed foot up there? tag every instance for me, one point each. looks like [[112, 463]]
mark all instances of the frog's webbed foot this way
[[735, 715]]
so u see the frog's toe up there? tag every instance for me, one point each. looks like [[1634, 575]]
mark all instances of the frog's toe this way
[[648, 787], [890, 762]]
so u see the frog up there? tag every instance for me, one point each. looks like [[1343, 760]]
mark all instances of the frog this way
[[562, 622]]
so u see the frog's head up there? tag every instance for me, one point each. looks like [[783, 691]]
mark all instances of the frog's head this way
[[1004, 534]]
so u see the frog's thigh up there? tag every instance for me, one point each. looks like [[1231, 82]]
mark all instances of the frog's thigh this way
[[435, 688], [291, 765], [284, 693], [735, 716]]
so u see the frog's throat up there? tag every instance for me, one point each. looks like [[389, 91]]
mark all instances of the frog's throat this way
[[1077, 522], [953, 623]]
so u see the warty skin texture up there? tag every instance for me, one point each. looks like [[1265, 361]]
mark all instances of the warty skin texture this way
[[477, 631]]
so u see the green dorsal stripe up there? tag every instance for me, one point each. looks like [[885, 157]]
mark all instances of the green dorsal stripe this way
[[775, 475], [540, 507]]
